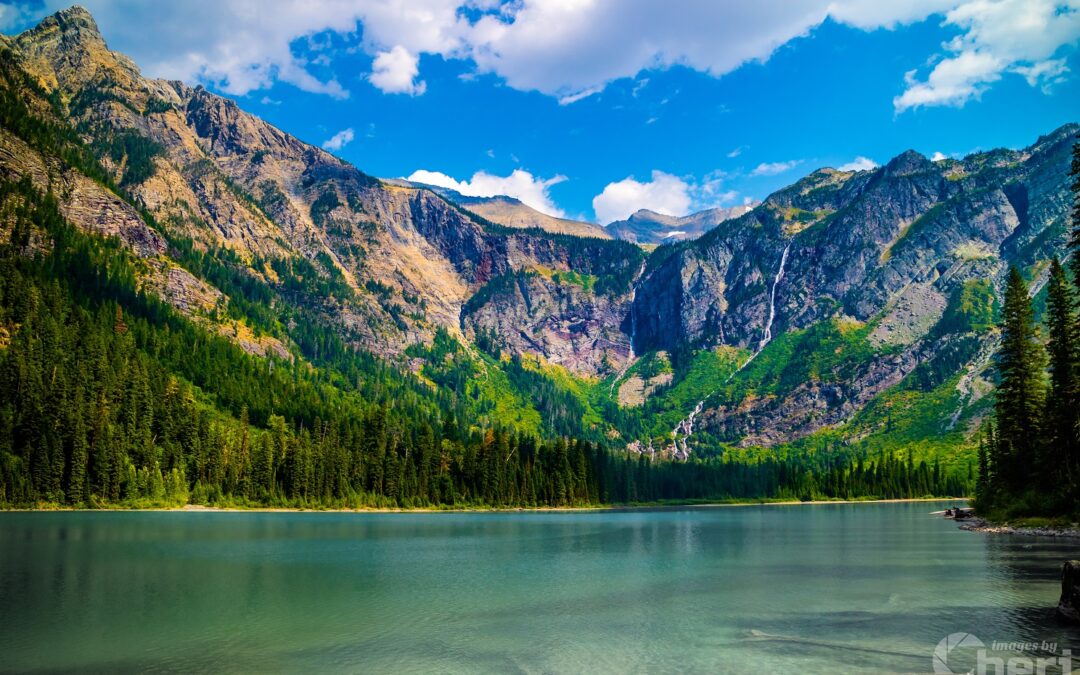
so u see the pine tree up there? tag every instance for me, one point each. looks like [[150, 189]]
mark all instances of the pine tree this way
[[1063, 403], [1074, 241], [1020, 392], [982, 483]]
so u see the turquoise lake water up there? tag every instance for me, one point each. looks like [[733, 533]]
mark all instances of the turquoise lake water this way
[[814, 588]]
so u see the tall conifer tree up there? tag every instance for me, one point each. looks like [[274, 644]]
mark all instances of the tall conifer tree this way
[[1020, 392], [1064, 400]]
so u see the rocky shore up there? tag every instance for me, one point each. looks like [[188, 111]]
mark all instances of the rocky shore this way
[[980, 525]]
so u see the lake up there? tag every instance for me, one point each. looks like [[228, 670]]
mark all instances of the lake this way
[[811, 588]]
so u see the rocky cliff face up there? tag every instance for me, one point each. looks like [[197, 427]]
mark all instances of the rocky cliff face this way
[[861, 245], [882, 250]]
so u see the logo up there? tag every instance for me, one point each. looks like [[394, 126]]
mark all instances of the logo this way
[[947, 645], [1000, 658]]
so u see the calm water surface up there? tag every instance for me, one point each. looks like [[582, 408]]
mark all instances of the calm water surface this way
[[823, 588]]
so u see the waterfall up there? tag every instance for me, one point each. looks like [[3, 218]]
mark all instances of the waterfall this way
[[767, 335], [633, 311], [680, 447]]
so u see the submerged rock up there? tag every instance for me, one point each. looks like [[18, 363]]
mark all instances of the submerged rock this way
[[1069, 605]]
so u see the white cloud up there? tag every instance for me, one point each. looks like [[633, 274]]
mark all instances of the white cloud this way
[[938, 156], [998, 37], [575, 97], [339, 140], [395, 72], [520, 184], [774, 168], [242, 46], [859, 164], [14, 15], [1044, 74], [736, 152], [665, 194], [567, 49]]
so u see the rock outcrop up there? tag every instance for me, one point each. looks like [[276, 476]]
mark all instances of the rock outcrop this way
[[1069, 605]]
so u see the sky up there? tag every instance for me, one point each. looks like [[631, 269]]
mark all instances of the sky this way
[[592, 109]]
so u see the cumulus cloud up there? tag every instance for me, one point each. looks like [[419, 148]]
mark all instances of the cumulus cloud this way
[[938, 156], [665, 194], [339, 140], [395, 72], [240, 46], [998, 37], [568, 50], [520, 184], [859, 164], [775, 168]]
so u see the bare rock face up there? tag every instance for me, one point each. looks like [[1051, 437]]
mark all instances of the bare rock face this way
[[560, 320], [856, 241]]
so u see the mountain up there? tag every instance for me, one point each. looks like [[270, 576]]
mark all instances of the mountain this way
[[649, 227], [848, 286], [645, 227], [848, 317], [391, 265], [511, 212]]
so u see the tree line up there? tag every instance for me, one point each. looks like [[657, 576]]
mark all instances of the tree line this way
[[1029, 456]]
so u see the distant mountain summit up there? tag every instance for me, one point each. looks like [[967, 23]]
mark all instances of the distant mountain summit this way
[[645, 227], [650, 227], [511, 212]]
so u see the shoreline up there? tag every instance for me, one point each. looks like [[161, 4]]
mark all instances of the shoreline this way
[[200, 508], [987, 527]]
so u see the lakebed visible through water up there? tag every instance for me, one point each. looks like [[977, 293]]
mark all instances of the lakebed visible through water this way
[[816, 588]]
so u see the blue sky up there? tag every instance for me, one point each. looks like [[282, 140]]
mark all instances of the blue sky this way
[[593, 108]]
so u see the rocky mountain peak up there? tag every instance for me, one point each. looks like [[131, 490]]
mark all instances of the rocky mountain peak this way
[[79, 17], [1066, 133], [908, 162], [652, 216], [75, 26], [67, 50]]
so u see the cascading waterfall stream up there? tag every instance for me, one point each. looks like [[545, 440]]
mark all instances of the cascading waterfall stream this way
[[767, 335], [686, 426]]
